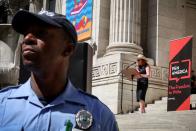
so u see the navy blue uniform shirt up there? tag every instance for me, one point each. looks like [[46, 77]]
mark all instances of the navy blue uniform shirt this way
[[21, 110]]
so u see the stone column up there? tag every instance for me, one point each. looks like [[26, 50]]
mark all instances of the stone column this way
[[59, 6], [125, 27], [35, 5]]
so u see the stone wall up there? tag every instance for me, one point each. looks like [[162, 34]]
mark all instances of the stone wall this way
[[9, 56], [171, 25], [190, 20], [152, 30], [168, 20]]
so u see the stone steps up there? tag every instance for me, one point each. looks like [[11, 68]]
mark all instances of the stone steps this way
[[174, 129], [178, 121], [160, 102], [193, 98], [158, 119], [161, 105]]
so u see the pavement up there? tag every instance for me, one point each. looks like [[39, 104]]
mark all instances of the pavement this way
[[157, 118]]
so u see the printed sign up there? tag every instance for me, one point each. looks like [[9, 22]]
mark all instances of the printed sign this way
[[79, 12], [179, 87]]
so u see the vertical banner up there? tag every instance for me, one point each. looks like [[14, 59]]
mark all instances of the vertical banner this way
[[179, 88], [80, 12]]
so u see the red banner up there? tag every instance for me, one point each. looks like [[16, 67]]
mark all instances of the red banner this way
[[180, 63]]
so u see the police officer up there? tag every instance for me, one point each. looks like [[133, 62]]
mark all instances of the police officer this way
[[48, 101]]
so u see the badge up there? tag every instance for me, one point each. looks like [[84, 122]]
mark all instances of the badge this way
[[84, 119]]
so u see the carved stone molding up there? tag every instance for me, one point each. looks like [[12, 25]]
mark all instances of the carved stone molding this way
[[104, 70], [112, 69], [159, 73], [156, 73]]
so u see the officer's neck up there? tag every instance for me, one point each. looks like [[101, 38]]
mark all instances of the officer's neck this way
[[48, 87]]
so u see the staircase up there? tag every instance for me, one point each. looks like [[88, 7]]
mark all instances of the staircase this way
[[158, 119]]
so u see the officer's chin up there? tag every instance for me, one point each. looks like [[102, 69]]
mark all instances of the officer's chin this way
[[30, 65]]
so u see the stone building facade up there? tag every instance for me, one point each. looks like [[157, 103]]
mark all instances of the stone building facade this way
[[122, 29], [125, 28]]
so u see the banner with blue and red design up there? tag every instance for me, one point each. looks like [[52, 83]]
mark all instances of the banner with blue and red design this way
[[80, 13]]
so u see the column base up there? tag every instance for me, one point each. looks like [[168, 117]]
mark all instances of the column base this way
[[127, 48]]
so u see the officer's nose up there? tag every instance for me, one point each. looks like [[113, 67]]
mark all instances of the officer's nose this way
[[29, 39]]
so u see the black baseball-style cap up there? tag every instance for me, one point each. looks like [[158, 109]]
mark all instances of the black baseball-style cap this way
[[24, 19]]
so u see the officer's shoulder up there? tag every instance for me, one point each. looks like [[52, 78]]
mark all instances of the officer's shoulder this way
[[94, 100], [8, 89], [90, 96]]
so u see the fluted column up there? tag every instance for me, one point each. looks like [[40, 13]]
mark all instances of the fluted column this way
[[58, 6], [35, 5], [125, 26]]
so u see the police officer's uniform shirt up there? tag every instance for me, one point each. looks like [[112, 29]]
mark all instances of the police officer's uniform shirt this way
[[21, 110]]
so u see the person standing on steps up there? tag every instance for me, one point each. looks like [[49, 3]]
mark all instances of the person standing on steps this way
[[142, 82]]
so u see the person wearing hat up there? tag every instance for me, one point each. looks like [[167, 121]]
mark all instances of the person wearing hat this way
[[142, 82], [48, 101]]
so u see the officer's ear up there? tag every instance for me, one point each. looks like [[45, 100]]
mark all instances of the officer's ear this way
[[68, 49]]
